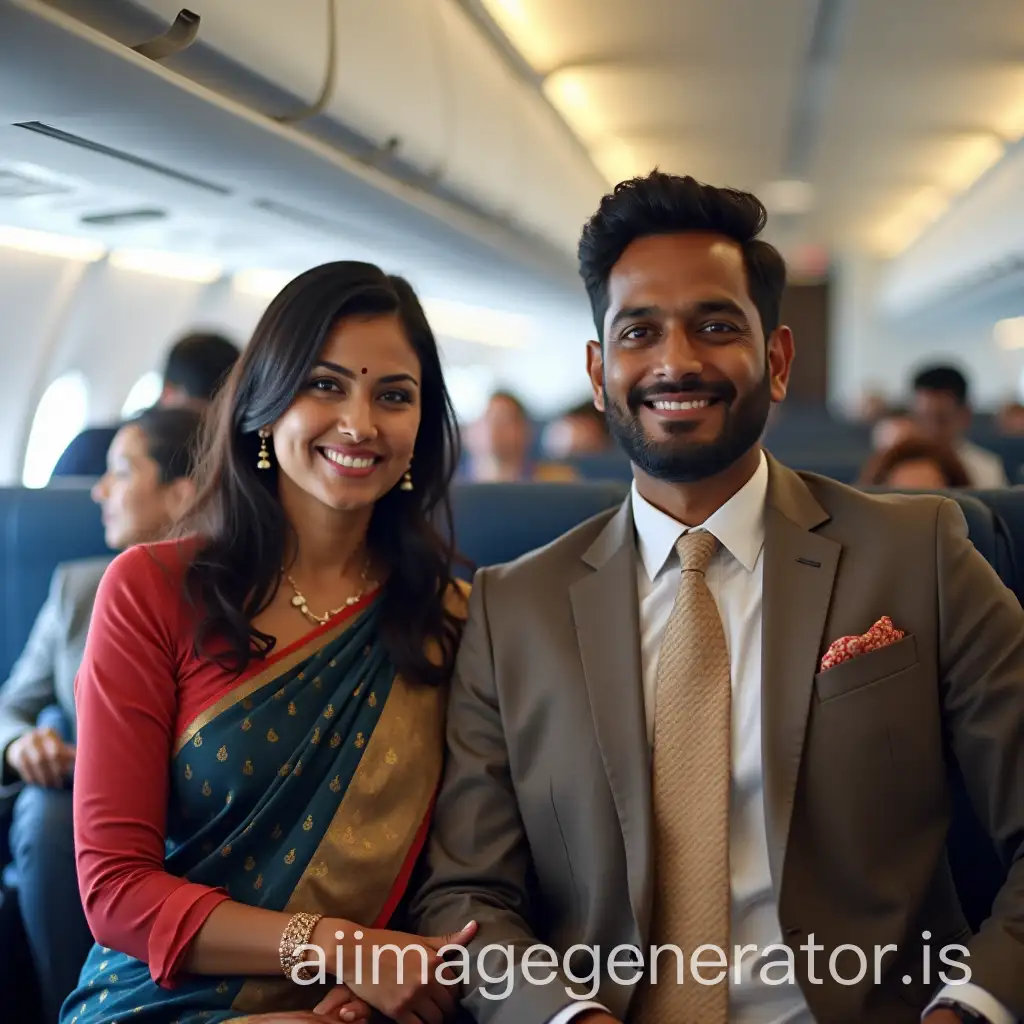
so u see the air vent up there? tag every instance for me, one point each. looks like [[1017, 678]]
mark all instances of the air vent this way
[[19, 185], [124, 218], [97, 147]]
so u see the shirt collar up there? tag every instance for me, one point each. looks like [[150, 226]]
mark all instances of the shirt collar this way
[[738, 525]]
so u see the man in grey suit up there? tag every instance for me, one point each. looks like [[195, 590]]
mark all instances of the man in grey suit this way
[[37, 734], [44, 677], [719, 719]]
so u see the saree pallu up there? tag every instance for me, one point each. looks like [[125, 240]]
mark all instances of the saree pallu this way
[[307, 787]]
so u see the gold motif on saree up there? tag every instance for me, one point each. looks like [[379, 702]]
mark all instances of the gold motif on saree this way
[[246, 724], [360, 740], [188, 772], [285, 770], [226, 851], [292, 709], [250, 863], [307, 825], [298, 767], [258, 884], [289, 857], [222, 754], [206, 788], [336, 784], [316, 736], [329, 712], [198, 741], [272, 736], [248, 768], [391, 757], [335, 741]]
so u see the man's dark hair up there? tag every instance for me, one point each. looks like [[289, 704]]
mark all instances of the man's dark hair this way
[[662, 204], [513, 399], [199, 364], [943, 378]]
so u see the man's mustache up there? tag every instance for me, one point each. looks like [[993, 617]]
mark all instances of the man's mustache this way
[[720, 389]]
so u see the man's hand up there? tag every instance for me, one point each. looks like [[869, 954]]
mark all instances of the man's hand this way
[[943, 1015], [41, 758]]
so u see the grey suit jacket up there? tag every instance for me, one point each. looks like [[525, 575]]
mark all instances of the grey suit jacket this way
[[45, 672], [543, 824]]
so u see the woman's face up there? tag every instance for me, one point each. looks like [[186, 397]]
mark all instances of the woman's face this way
[[137, 506], [348, 436], [917, 475]]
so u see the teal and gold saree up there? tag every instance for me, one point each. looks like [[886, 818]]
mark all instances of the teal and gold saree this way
[[308, 787]]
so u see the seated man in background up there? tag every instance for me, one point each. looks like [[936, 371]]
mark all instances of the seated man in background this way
[[943, 414], [195, 368], [144, 492], [916, 464], [579, 431], [499, 445]]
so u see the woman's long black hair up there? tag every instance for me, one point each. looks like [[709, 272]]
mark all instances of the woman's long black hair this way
[[235, 571]]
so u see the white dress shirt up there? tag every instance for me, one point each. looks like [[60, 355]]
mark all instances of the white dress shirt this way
[[734, 577]]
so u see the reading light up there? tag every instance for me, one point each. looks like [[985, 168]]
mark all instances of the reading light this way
[[67, 247], [166, 264]]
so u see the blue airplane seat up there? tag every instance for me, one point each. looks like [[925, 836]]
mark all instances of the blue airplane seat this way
[[498, 522], [39, 529]]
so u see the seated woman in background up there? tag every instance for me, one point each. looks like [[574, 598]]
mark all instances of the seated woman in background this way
[[916, 464], [261, 704], [145, 489]]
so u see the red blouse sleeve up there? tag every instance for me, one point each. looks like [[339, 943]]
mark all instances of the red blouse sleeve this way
[[126, 696]]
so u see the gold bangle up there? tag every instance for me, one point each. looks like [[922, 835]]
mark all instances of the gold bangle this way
[[297, 933]]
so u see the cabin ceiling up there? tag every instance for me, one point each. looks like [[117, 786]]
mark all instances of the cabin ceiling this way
[[858, 121]]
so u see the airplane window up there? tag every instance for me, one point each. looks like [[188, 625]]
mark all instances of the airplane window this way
[[59, 418], [144, 393]]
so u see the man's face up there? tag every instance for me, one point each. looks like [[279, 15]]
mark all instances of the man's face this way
[[684, 376], [939, 416]]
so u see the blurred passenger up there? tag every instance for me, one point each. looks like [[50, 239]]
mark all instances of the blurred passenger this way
[[144, 491], [579, 431], [871, 407], [195, 368], [916, 464], [1010, 420], [942, 412], [895, 426], [262, 701], [499, 444]]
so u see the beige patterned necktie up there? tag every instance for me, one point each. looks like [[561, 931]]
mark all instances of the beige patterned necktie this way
[[690, 793]]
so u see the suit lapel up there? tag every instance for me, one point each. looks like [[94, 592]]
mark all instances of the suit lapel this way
[[799, 573], [607, 618]]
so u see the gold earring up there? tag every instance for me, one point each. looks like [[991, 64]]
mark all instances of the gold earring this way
[[406, 484], [264, 456]]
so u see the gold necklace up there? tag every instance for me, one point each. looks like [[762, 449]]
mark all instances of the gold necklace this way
[[300, 602]]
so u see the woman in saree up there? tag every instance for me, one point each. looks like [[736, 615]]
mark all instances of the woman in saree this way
[[261, 701]]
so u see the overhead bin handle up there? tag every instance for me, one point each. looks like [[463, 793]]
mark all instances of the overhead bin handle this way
[[178, 37]]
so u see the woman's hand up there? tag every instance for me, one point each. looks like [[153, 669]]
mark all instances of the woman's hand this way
[[341, 1004], [403, 986]]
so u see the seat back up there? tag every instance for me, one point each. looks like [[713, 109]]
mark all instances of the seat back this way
[[39, 529], [498, 522]]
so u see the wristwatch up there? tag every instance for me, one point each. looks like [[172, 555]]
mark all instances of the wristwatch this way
[[964, 1013]]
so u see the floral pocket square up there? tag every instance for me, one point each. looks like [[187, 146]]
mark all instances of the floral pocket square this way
[[881, 634]]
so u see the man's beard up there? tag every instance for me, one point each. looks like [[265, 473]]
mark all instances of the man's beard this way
[[678, 460]]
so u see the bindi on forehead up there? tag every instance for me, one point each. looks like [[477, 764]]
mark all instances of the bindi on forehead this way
[[363, 370]]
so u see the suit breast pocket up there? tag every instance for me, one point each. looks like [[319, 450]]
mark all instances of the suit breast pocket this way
[[866, 669]]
